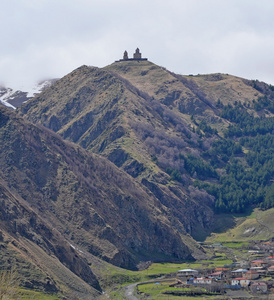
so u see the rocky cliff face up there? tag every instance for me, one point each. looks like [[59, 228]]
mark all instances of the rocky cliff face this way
[[90, 202], [29, 243]]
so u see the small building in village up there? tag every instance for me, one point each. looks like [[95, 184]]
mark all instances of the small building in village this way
[[221, 269], [252, 275], [271, 270], [239, 273], [242, 281], [202, 280], [258, 287], [262, 272], [187, 273], [216, 275], [259, 263]]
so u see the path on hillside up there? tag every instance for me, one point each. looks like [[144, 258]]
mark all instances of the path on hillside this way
[[129, 292], [129, 289]]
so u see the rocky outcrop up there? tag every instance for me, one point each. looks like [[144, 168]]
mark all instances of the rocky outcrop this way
[[85, 196]]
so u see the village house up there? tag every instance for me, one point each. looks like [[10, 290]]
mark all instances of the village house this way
[[271, 270], [187, 273], [202, 280], [243, 282], [253, 252], [262, 272], [257, 269], [226, 273], [259, 263], [252, 275], [216, 275], [258, 287], [221, 269], [239, 273]]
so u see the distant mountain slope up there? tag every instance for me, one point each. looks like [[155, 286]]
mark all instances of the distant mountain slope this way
[[166, 130], [14, 98], [105, 113], [93, 205]]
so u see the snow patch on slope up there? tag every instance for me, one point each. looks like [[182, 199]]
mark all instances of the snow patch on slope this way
[[38, 88], [14, 98]]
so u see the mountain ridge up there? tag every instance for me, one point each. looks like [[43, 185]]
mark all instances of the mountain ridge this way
[[103, 113], [92, 206], [152, 123], [149, 157]]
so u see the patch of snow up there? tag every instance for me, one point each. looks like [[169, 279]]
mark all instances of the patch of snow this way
[[75, 248], [72, 246], [38, 88], [6, 93], [249, 230], [7, 104], [18, 97]]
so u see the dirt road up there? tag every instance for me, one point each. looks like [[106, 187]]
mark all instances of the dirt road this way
[[129, 290]]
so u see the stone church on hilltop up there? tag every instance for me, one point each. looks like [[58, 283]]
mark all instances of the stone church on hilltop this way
[[136, 56]]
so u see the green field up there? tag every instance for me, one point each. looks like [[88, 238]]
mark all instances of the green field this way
[[162, 290], [256, 225], [231, 238], [30, 294]]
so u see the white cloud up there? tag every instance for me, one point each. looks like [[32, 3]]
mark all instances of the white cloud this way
[[49, 38]]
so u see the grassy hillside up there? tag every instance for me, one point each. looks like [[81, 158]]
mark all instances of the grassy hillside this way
[[196, 149], [61, 206], [107, 114], [169, 131], [258, 225]]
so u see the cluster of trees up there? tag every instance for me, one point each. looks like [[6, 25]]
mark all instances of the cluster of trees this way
[[195, 166], [264, 103], [166, 151], [244, 158], [244, 123], [203, 129], [224, 149], [249, 174]]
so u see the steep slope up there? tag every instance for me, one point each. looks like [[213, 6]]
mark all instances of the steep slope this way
[[172, 133], [94, 205], [189, 95], [42, 257], [105, 113]]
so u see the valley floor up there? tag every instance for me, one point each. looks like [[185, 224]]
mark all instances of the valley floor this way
[[230, 255]]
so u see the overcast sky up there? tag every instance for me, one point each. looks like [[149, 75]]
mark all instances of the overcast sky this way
[[50, 38]]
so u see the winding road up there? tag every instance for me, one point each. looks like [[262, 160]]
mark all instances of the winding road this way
[[129, 292]]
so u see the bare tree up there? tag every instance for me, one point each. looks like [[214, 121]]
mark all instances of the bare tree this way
[[9, 285]]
